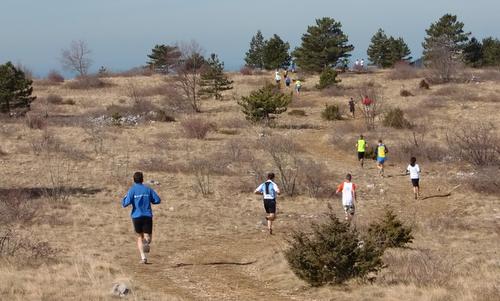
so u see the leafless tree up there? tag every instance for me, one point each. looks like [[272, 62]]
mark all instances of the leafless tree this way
[[444, 63], [372, 110], [77, 58], [189, 71]]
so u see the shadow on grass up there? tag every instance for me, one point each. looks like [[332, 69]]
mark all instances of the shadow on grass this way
[[38, 192]]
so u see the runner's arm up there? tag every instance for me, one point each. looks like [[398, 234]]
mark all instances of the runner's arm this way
[[127, 200], [278, 192], [155, 198], [259, 189]]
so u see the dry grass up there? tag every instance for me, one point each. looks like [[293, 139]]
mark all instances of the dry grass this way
[[208, 212]]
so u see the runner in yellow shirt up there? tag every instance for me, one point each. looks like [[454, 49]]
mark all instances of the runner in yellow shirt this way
[[361, 146]]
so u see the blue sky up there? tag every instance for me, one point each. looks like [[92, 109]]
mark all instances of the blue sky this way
[[121, 33]]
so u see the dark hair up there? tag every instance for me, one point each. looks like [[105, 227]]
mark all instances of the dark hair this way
[[270, 176], [138, 177], [413, 160], [348, 176], [361, 136], [379, 140]]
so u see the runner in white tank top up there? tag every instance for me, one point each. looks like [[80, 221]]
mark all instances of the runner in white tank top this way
[[414, 171], [348, 190]]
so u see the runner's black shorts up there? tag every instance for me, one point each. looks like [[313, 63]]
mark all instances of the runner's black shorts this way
[[415, 182], [270, 205], [361, 155], [143, 224]]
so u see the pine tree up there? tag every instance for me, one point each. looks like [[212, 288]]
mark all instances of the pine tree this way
[[275, 54], [447, 33], [386, 51], [164, 58], [15, 88], [473, 52], [261, 103], [399, 50], [255, 55], [379, 51], [322, 46], [490, 52], [213, 80]]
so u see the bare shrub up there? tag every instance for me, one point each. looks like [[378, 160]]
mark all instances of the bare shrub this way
[[161, 116], [433, 102], [314, 178], [133, 72], [196, 128], [418, 267], [55, 77], [418, 145], [444, 65], [490, 75], [485, 181], [424, 85], [36, 121], [17, 208], [54, 99], [77, 58], [405, 93], [236, 150], [154, 164], [285, 155], [373, 107], [15, 245], [188, 74], [476, 143], [203, 170], [234, 123], [173, 102], [245, 70], [395, 118], [96, 135], [87, 82], [402, 71]]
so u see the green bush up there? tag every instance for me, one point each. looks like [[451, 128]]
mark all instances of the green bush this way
[[331, 112], [327, 78], [389, 232], [263, 103], [396, 118], [333, 253]]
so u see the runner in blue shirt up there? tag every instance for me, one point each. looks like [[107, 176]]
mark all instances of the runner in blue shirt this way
[[141, 197]]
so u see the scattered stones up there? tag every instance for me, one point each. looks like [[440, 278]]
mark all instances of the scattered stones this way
[[120, 289], [370, 186], [171, 209], [154, 182]]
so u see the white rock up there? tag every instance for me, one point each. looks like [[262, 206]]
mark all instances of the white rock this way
[[120, 289]]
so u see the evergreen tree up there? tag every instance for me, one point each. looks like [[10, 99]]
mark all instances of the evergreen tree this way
[[379, 52], [15, 88], [213, 80], [386, 51], [473, 52], [322, 46], [490, 52], [275, 54], [261, 103], [447, 33], [255, 55], [164, 58], [399, 50]]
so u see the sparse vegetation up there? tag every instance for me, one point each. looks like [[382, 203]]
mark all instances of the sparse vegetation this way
[[475, 143], [331, 254], [327, 78], [263, 103], [196, 128], [395, 118], [389, 232], [331, 112]]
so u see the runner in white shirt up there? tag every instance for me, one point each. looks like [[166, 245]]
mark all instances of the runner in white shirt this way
[[348, 190], [269, 190], [414, 171]]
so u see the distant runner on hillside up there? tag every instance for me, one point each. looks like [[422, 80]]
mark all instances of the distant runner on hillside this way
[[298, 86], [348, 190], [361, 146], [141, 197], [277, 78], [269, 190], [414, 171], [352, 107], [382, 151]]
